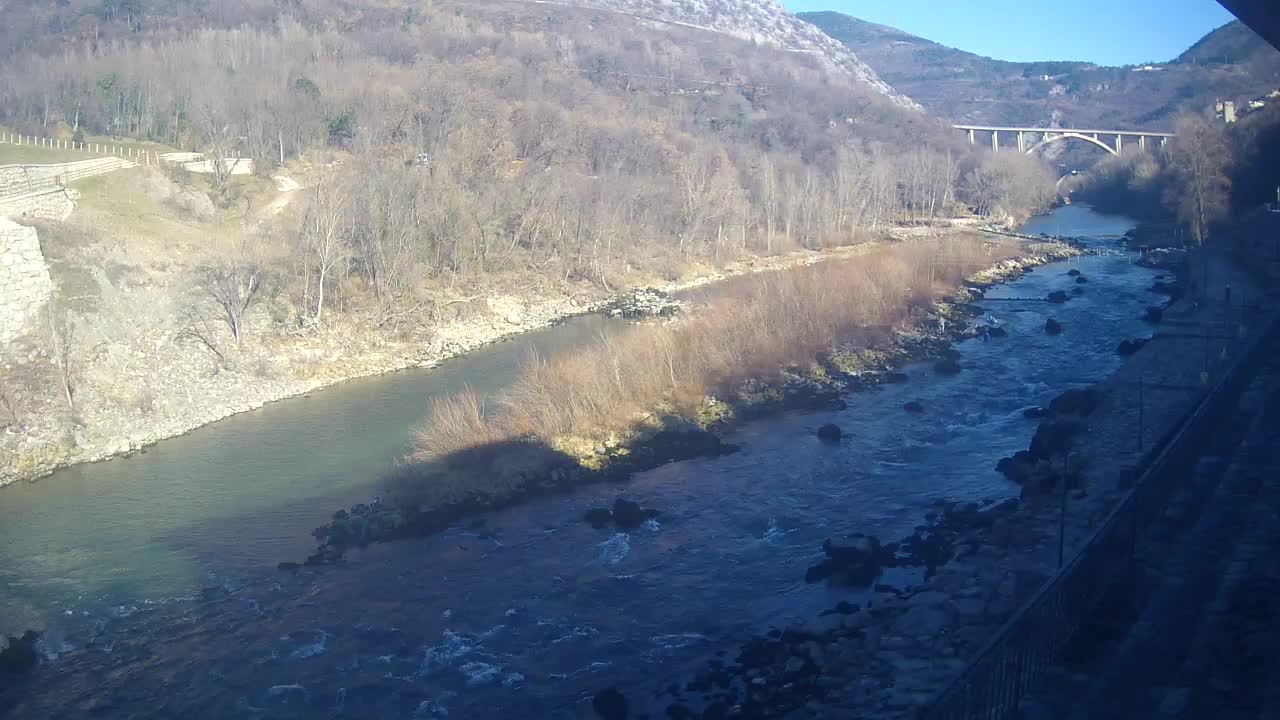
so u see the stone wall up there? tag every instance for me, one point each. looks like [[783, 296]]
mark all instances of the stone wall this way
[[25, 285], [55, 204]]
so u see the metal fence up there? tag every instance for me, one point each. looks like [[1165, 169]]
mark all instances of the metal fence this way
[[1032, 640]]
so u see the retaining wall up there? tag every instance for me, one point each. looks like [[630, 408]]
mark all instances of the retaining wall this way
[[25, 285]]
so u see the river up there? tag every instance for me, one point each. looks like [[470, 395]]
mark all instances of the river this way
[[154, 575]]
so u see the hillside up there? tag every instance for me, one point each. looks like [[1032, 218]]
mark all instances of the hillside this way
[[1232, 62]]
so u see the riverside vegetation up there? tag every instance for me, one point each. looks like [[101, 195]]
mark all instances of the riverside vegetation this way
[[796, 339], [468, 170]]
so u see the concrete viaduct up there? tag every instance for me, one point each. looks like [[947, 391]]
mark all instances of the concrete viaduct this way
[[1031, 140]]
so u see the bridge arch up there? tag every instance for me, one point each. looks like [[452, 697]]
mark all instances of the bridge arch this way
[[1074, 136]]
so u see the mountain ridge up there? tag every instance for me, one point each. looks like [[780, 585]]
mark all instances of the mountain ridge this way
[[1231, 62], [761, 21]]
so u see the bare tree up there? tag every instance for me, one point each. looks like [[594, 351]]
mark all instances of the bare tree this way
[[61, 342], [1199, 159], [197, 325], [221, 148], [232, 286], [322, 240]]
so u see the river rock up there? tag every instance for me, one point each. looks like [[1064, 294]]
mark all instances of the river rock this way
[[1153, 314], [1077, 291], [947, 366], [994, 331], [18, 654], [1081, 280], [830, 433], [610, 704], [642, 303], [1018, 468], [598, 518], [915, 406], [1052, 327], [896, 378], [855, 560], [927, 616], [626, 514], [1129, 347], [1055, 436], [629, 515], [1073, 272], [1076, 402], [1057, 297]]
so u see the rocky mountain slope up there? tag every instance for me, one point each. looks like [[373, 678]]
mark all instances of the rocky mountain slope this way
[[760, 21], [1232, 62]]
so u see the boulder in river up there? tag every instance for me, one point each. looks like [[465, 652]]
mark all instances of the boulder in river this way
[[855, 560], [830, 433], [642, 303], [1052, 327], [1076, 402], [18, 654], [1073, 272], [896, 378], [1129, 347], [598, 518], [610, 704], [1081, 280], [626, 514], [994, 331], [1153, 314], [947, 366], [1057, 297], [1077, 290], [915, 406]]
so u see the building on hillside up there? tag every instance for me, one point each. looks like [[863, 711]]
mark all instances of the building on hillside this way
[[1226, 111]]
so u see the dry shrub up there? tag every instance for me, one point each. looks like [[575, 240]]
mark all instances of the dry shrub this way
[[756, 328]]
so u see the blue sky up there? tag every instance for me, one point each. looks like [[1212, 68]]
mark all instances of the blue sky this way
[[1108, 32]]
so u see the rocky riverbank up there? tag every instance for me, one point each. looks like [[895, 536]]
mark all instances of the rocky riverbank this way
[[890, 656], [516, 471]]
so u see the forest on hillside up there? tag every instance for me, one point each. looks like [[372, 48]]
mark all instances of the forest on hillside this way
[[481, 135]]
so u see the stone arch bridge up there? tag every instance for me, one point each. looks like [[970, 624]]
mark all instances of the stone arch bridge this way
[[1031, 140]]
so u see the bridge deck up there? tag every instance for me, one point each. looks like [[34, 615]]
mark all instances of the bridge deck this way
[[1126, 133]]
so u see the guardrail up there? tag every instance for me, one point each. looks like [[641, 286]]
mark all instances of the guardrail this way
[[993, 684], [48, 178]]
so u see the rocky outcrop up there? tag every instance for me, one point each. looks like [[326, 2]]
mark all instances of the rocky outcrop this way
[[18, 654], [642, 303], [1052, 327], [25, 280]]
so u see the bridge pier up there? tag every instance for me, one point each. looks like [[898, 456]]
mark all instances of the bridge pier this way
[[1119, 144], [995, 141], [1142, 142], [1022, 144], [971, 136]]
